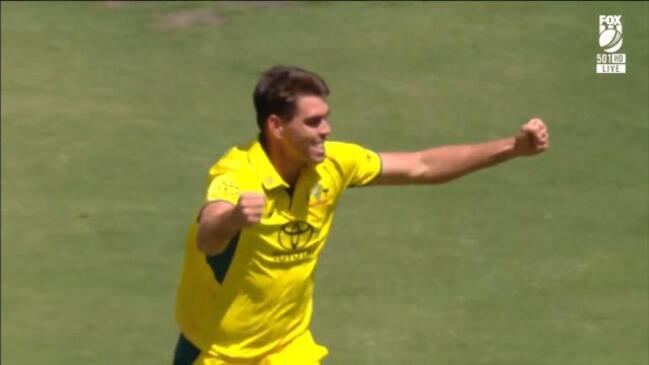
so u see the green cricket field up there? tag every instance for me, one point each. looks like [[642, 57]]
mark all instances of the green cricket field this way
[[112, 113]]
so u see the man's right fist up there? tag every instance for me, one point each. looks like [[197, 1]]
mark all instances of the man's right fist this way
[[249, 209]]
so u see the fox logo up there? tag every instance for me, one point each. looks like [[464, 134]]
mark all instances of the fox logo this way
[[610, 32]]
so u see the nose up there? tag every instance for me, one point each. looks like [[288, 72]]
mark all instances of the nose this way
[[325, 128]]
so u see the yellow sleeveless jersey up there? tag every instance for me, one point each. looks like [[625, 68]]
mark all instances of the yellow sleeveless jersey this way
[[256, 296]]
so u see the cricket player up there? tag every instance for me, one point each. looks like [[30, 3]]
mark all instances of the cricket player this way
[[246, 292]]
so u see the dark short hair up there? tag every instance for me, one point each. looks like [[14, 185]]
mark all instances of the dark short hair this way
[[278, 89]]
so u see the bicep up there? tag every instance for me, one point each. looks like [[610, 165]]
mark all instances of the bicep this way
[[213, 210], [399, 168], [214, 227]]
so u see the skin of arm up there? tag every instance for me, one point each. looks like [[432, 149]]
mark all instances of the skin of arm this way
[[446, 163]]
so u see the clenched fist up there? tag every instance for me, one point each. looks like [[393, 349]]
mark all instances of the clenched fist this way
[[532, 139], [249, 209]]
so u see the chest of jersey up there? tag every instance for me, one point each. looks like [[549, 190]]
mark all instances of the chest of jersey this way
[[295, 222]]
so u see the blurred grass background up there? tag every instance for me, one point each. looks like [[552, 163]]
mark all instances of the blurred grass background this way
[[112, 113]]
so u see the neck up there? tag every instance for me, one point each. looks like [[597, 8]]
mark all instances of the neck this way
[[288, 169]]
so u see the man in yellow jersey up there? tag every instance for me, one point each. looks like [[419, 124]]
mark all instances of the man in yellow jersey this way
[[246, 292]]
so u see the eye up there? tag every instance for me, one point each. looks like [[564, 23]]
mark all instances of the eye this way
[[313, 122]]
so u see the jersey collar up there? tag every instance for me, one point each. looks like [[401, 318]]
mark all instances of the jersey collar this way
[[270, 178]]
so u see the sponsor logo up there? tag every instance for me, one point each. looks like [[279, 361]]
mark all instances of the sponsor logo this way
[[294, 237]]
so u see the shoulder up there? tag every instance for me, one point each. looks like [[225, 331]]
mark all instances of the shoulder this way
[[355, 165], [345, 157], [345, 153], [337, 150], [234, 162]]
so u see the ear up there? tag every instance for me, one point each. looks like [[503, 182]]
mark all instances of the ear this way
[[275, 126]]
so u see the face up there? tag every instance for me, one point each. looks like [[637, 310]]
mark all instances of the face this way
[[303, 136]]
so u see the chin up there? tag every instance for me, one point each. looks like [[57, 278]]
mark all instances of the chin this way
[[317, 158]]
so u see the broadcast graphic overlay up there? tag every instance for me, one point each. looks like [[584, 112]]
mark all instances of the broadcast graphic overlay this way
[[610, 41]]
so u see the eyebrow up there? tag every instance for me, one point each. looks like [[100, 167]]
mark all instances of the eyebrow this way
[[319, 116]]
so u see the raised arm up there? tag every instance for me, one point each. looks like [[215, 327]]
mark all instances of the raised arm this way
[[446, 163]]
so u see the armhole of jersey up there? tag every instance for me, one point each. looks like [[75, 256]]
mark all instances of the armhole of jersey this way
[[221, 263], [186, 352]]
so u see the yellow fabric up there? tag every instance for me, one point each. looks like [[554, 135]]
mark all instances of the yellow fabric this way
[[265, 299], [301, 351]]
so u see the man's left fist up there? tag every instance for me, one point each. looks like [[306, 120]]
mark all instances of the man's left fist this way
[[532, 139]]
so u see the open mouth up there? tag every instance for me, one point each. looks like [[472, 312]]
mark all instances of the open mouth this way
[[319, 148], [318, 151]]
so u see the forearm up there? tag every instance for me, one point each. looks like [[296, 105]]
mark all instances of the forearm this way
[[214, 232], [446, 163], [442, 164]]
